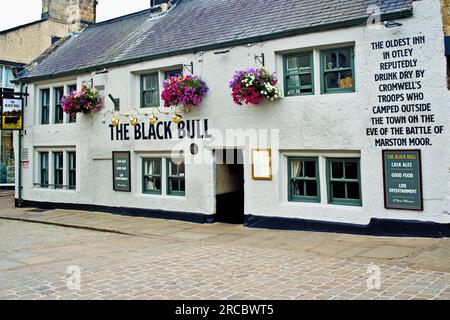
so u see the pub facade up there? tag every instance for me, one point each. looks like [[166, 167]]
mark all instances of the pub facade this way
[[358, 137]]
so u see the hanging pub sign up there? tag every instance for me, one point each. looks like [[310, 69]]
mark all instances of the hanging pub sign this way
[[121, 171], [402, 179], [12, 114]]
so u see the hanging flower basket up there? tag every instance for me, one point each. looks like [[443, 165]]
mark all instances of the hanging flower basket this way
[[85, 101], [185, 91], [253, 85]]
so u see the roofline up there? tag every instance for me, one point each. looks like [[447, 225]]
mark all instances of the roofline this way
[[22, 26], [322, 27], [12, 64]]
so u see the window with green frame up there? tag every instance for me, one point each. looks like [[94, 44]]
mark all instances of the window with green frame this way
[[72, 88], [43, 163], [299, 74], [338, 70], [150, 90], [344, 181], [72, 170], [152, 170], [58, 170], [304, 185], [59, 114], [45, 106], [176, 184]]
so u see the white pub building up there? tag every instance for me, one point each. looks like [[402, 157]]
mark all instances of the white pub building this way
[[358, 142]]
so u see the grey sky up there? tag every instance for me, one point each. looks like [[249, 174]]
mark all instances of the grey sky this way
[[17, 12]]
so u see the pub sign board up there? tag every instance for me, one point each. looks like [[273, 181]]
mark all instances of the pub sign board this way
[[402, 171], [121, 171], [12, 114]]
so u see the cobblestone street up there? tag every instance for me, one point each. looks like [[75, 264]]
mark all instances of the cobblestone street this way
[[34, 259]]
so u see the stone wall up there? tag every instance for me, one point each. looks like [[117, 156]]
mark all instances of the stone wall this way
[[25, 44], [70, 11], [446, 16]]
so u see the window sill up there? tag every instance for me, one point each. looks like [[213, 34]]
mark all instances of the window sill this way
[[161, 197]]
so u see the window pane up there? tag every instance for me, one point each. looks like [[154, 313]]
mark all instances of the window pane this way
[[345, 79], [345, 59], [292, 64], [353, 190], [305, 80], [298, 188], [296, 168], [351, 170], [293, 81], [304, 61], [9, 77], [176, 168], [337, 170], [330, 60], [177, 185], [311, 188], [338, 190], [151, 81], [332, 80], [152, 183], [310, 169]]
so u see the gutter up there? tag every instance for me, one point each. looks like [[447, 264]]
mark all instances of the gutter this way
[[323, 27]]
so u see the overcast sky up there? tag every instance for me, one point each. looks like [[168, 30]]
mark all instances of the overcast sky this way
[[17, 12]]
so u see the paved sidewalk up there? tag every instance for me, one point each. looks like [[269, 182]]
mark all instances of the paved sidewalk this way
[[423, 253]]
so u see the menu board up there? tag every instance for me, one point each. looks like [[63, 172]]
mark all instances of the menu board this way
[[403, 179], [12, 114], [121, 171], [262, 164]]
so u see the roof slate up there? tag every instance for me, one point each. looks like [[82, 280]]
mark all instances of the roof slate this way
[[195, 24]]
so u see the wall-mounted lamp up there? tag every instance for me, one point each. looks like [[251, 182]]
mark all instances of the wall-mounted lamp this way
[[392, 24], [115, 101]]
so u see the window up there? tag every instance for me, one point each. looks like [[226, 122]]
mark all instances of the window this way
[[337, 67], [344, 186], [299, 79], [9, 76], [72, 170], [43, 163], [176, 177], [70, 89], [59, 114], [304, 183], [45, 106], [58, 170], [152, 176], [150, 90], [173, 73]]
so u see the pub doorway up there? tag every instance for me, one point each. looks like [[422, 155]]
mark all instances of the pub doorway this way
[[229, 186]]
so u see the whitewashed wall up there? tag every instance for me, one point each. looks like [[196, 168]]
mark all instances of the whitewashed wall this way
[[320, 125]]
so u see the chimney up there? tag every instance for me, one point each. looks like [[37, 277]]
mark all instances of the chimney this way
[[75, 13]]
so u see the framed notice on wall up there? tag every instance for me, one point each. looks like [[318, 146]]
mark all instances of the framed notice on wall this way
[[121, 171], [12, 114], [262, 164], [402, 171]]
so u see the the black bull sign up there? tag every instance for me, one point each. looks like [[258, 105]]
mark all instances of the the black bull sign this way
[[164, 130]]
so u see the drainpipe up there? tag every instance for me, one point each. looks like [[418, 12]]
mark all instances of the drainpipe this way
[[19, 162]]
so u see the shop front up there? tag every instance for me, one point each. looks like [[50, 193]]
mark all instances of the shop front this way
[[7, 162]]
